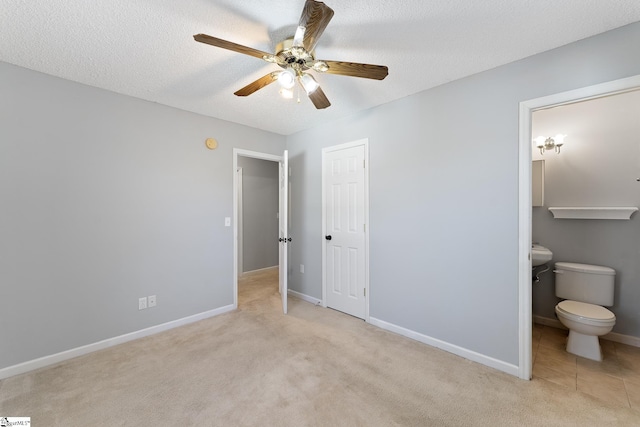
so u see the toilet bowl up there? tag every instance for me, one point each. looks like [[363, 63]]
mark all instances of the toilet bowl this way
[[586, 322], [586, 288]]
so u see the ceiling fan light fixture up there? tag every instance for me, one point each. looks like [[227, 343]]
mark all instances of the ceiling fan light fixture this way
[[286, 93], [287, 78], [308, 83], [295, 55]]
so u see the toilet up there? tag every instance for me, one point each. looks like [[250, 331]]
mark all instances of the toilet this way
[[585, 289]]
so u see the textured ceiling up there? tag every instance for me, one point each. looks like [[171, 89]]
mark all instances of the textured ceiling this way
[[145, 48]]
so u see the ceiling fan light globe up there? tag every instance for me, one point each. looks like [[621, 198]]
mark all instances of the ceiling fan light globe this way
[[286, 93], [287, 78], [308, 83]]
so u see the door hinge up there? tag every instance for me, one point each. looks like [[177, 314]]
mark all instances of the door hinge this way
[[364, 227], [364, 163]]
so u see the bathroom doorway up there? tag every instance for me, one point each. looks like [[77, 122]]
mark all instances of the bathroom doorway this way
[[527, 108], [597, 166]]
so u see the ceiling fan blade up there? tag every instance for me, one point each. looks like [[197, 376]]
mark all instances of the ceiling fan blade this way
[[319, 99], [257, 85], [315, 18], [214, 41], [353, 69]]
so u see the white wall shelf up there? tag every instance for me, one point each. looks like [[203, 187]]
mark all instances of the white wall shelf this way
[[593, 213]]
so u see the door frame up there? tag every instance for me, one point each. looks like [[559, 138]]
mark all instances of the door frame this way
[[237, 152], [524, 202], [365, 143], [238, 222]]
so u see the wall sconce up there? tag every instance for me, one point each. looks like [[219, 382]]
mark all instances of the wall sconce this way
[[549, 143]]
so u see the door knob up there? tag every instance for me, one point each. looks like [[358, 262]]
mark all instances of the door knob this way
[[328, 237]]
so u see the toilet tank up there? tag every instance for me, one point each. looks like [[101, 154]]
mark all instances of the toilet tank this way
[[586, 283]]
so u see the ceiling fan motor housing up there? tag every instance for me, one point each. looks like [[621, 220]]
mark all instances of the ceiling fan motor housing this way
[[292, 56]]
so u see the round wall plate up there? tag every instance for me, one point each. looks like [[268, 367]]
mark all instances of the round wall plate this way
[[211, 143]]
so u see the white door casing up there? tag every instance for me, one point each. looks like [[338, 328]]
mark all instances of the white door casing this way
[[283, 234], [239, 220], [237, 152], [345, 233]]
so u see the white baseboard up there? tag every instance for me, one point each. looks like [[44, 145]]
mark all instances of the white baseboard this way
[[110, 342], [611, 336], [451, 348], [304, 297], [260, 270]]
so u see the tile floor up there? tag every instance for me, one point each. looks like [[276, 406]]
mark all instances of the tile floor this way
[[615, 380]]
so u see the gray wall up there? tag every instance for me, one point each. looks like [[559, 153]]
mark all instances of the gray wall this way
[[260, 188], [444, 194], [105, 199], [598, 166]]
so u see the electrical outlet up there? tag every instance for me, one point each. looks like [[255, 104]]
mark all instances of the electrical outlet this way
[[227, 221], [152, 301], [142, 303], [301, 268]]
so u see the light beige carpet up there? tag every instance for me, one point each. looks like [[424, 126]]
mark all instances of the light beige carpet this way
[[313, 367]]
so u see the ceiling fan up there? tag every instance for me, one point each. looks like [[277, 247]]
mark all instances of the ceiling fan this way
[[296, 56]]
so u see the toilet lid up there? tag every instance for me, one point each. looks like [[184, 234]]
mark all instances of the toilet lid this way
[[583, 309]]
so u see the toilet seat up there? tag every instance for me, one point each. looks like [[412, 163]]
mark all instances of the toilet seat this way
[[583, 312]]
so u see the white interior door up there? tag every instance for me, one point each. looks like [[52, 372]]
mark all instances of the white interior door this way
[[345, 229], [283, 235]]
